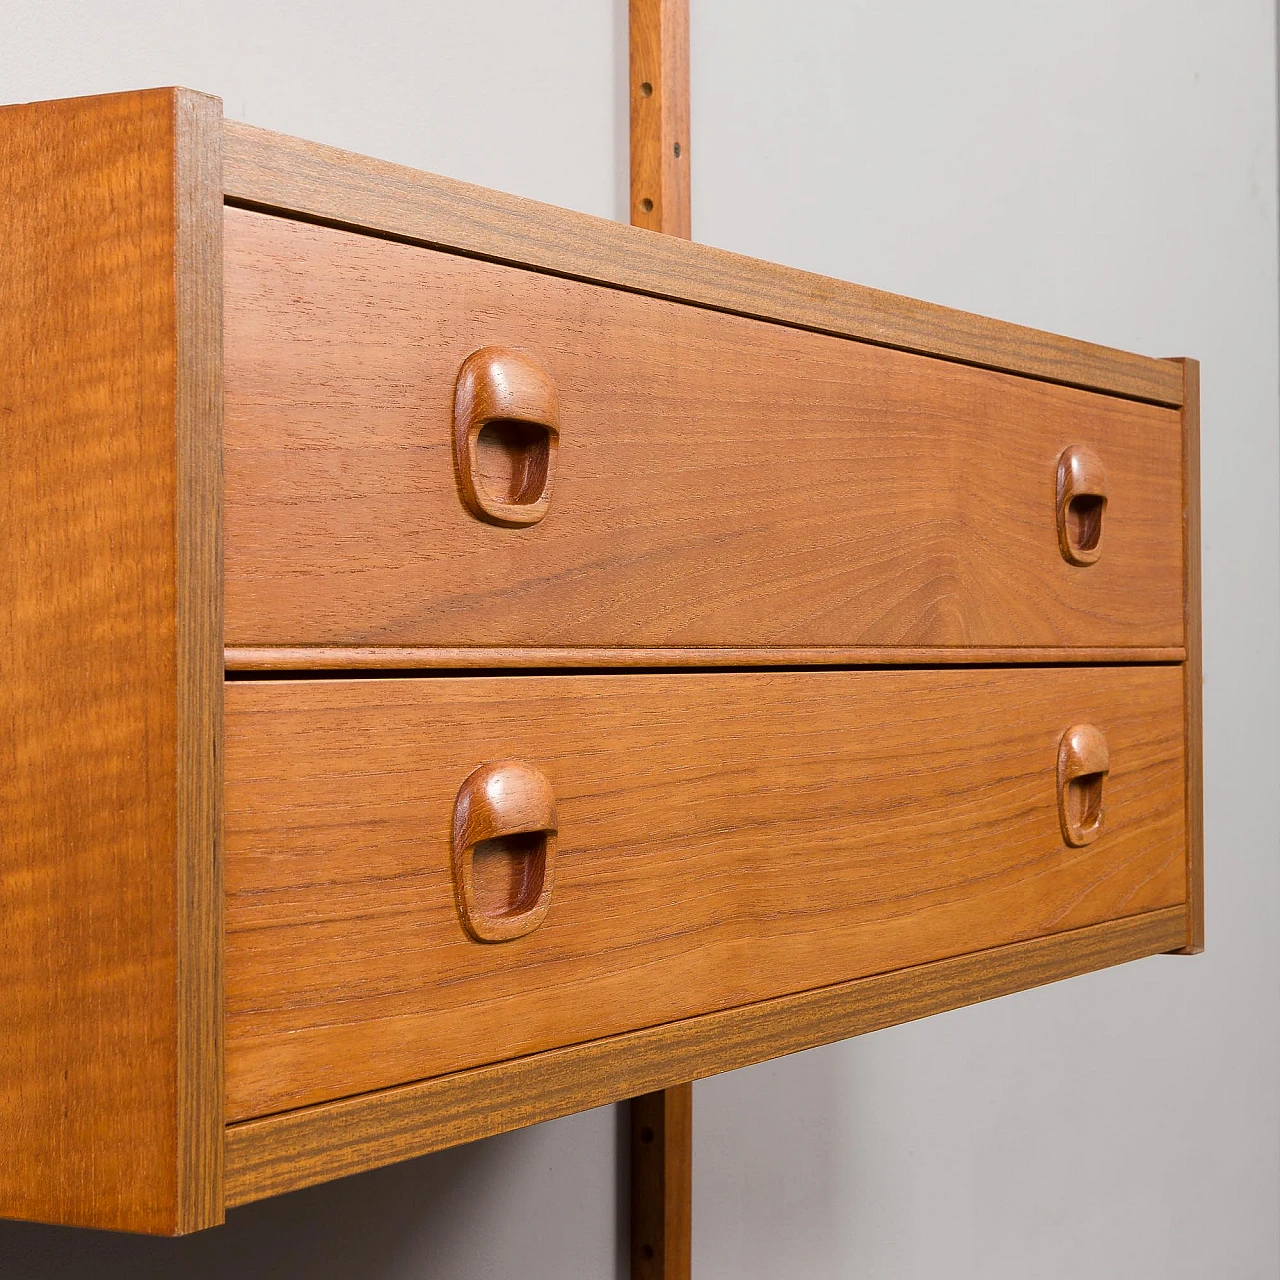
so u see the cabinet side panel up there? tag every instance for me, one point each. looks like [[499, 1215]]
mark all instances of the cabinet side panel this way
[[1193, 669], [89, 743]]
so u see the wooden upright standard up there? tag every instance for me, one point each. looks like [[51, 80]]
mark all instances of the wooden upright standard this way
[[662, 1122], [662, 1184], [660, 116]]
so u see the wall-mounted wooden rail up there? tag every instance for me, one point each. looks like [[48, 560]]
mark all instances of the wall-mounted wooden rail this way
[[662, 1165]]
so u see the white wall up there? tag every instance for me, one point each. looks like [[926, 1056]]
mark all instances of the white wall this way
[[1105, 168]]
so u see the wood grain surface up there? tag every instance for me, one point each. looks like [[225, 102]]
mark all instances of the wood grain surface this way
[[658, 50], [504, 850], [750, 863], [300, 1148], [389, 658], [1193, 672], [197, 276], [722, 839], [323, 184], [110, 1071], [720, 482], [662, 1184]]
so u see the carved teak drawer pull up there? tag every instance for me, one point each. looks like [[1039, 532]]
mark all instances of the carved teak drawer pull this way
[[1082, 500], [504, 850], [1083, 764], [506, 433]]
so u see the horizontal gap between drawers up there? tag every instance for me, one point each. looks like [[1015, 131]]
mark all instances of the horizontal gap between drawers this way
[[285, 1151], [291, 663]]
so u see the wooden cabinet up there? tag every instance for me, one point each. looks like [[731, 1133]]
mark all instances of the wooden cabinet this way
[[469, 661]]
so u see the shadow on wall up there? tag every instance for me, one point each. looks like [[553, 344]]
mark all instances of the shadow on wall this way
[[550, 1201], [772, 1145], [472, 1211]]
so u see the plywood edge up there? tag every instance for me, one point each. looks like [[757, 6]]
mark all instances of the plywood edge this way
[[1193, 670], [198, 424], [276, 173], [249, 658], [280, 1153]]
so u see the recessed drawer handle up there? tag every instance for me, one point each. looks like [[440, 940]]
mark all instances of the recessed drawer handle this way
[[506, 433], [504, 850], [1082, 499], [1083, 764]]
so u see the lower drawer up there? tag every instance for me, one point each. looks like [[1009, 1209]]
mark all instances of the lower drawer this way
[[722, 838]]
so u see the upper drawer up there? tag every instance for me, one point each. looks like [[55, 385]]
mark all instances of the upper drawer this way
[[718, 482]]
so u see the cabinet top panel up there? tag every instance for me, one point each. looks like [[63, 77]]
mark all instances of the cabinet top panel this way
[[324, 184]]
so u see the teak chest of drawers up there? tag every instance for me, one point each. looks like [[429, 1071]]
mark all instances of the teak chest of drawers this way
[[466, 662]]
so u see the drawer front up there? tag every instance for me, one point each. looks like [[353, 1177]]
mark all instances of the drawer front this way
[[717, 481], [722, 838]]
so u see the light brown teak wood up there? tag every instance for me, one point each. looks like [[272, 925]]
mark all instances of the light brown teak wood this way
[[323, 184], [659, 64], [1081, 504], [395, 657], [112, 1109], [1084, 760], [504, 850], [1193, 671], [662, 1174], [720, 482], [722, 839], [662, 1184], [245, 658], [110, 627], [300, 1148], [506, 436]]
